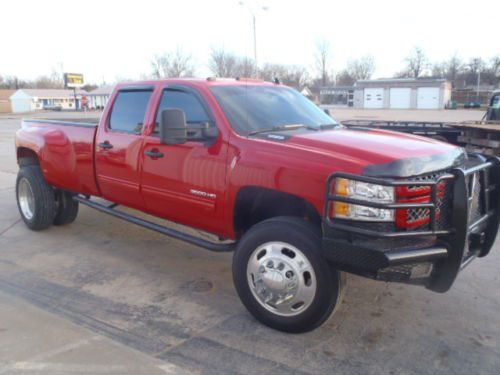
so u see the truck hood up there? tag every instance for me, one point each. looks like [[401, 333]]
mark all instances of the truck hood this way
[[384, 153]]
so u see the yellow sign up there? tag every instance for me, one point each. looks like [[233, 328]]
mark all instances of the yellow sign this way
[[73, 80]]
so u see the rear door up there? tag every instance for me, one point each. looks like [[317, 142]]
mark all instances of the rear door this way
[[118, 147], [185, 182]]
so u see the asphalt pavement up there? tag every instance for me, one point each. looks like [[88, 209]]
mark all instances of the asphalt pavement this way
[[105, 296]]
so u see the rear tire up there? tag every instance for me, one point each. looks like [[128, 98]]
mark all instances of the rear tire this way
[[282, 278], [67, 208], [35, 198]]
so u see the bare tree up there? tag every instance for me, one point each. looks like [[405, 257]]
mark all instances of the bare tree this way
[[362, 68], [13, 83], [475, 65], [222, 63], [54, 80], [245, 67], [159, 66], [416, 62], [48, 82], [322, 60], [453, 68], [439, 69], [450, 69], [495, 65], [344, 78], [291, 75], [172, 64]]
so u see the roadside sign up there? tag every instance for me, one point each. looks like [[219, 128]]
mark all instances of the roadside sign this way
[[73, 80]]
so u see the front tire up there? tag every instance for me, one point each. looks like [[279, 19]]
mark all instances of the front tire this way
[[35, 198], [282, 278]]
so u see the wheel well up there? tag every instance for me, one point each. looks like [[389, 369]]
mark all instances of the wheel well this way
[[26, 156], [255, 204]]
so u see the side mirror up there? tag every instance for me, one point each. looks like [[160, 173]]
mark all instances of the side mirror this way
[[173, 127], [209, 132]]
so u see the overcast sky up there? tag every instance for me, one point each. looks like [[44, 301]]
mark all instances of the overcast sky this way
[[116, 39]]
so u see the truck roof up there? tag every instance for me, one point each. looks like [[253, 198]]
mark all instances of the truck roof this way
[[210, 81]]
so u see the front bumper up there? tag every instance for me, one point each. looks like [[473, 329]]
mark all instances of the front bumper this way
[[432, 256]]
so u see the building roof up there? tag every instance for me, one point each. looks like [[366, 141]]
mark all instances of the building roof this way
[[403, 83], [341, 88], [6, 94], [406, 80], [50, 93], [103, 90]]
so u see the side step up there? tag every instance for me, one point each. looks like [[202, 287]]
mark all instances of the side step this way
[[156, 227]]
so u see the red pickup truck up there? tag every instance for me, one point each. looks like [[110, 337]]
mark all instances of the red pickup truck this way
[[298, 197]]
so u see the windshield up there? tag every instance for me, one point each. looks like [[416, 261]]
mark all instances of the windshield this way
[[252, 109]]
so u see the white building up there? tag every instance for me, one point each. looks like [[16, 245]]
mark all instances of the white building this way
[[402, 93], [99, 97], [28, 100]]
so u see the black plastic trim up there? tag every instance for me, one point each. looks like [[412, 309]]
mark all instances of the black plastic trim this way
[[418, 165], [386, 182], [453, 248], [226, 247]]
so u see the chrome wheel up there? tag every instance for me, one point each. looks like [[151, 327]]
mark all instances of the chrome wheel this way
[[281, 278], [26, 199]]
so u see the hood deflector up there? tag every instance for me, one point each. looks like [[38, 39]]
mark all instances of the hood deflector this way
[[418, 165]]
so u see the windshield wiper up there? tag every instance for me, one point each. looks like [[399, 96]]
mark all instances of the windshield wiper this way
[[278, 128], [329, 126]]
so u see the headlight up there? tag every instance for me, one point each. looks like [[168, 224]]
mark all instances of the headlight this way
[[366, 192]]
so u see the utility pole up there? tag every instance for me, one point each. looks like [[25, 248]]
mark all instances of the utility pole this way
[[478, 82], [254, 24], [254, 39]]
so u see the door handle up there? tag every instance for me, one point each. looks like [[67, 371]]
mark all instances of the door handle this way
[[105, 145], [154, 154]]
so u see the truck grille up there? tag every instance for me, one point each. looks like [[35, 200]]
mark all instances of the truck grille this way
[[474, 185], [419, 218]]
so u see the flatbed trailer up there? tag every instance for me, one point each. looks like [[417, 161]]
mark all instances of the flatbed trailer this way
[[482, 137], [474, 136], [438, 130]]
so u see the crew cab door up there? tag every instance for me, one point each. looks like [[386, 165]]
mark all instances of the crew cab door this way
[[186, 182], [119, 146]]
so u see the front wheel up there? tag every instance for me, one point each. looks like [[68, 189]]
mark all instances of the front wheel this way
[[282, 278]]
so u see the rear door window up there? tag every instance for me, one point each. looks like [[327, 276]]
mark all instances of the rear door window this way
[[129, 110]]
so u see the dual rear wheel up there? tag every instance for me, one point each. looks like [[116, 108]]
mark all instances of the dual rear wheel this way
[[39, 204]]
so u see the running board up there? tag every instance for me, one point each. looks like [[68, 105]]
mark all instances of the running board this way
[[156, 227]]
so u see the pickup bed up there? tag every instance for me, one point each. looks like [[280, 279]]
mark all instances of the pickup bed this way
[[297, 196]]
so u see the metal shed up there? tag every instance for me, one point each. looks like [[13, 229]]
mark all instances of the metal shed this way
[[402, 93]]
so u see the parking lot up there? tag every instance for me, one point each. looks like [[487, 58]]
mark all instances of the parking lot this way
[[104, 296]]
